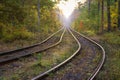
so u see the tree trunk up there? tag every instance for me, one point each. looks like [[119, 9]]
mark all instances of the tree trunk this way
[[119, 14], [108, 15], [115, 0], [23, 2], [102, 15], [99, 15], [98, 6], [89, 5], [38, 10]]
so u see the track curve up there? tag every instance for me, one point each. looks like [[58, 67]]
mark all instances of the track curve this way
[[94, 73], [28, 50], [7, 52], [92, 76], [62, 63]]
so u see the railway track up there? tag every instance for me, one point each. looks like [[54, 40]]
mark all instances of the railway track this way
[[101, 62], [51, 41], [78, 65]]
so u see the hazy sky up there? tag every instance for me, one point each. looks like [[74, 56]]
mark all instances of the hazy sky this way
[[82, 1], [67, 7]]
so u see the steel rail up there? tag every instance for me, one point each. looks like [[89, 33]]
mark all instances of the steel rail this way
[[16, 57], [11, 51], [92, 76], [62, 63]]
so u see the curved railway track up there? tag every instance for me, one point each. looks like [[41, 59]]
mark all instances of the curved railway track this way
[[97, 69], [49, 42], [77, 52]]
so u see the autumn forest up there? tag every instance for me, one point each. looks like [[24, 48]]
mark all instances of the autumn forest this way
[[44, 31]]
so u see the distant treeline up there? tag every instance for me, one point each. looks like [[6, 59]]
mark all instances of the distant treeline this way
[[100, 15]]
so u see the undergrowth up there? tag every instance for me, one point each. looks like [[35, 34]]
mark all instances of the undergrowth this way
[[111, 43]]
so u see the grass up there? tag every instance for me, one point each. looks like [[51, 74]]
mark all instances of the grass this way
[[44, 60], [111, 43], [15, 77], [2, 78], [112, 38], [19, 43], [111, 68]]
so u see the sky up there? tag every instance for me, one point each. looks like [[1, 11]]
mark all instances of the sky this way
[[82, 1], [67, 7]]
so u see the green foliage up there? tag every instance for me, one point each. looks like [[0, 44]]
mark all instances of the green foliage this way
[[19, 18], [92, 19], [47, 4], [111, 68], [114, 16], [15, 77], [91, 24], [47, 17], [9, 11], [2, 26], [39, 56], [112, 38], [13, 33], [88, 20]]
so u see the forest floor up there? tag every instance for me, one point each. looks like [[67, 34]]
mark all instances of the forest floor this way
[[111, 43], [38, 37], [29, 67]]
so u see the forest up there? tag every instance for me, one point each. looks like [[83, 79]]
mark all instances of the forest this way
[[100, 20], [27, 22], [20, 19]]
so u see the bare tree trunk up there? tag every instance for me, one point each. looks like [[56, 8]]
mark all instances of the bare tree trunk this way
[[108, 15], [102, 15], [99, 15], [89, 5], [38, 10], [119, 14], [98, 6], [115, 0], [23, 2]]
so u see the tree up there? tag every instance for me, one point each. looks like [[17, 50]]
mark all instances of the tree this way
[[119, 14], [89, 5], [115, 0], [102, 15], [9, 11], [38, 10], [98, 6], [108, 16], [23, 2]]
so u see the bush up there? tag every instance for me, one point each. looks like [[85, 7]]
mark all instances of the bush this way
[[22, 33], [112, 38], [11, 33], [2, 26]]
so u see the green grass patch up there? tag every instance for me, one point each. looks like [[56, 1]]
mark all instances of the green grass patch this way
[[112, 37], [111, 68], [40, 62], [111, 43]]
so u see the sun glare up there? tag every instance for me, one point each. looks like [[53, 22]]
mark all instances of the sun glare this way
[[67, 7]]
